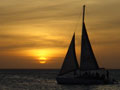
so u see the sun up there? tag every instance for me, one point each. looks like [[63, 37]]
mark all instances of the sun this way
[[42, 56], [42, 60]]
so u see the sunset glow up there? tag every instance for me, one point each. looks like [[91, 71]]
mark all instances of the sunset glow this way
[[45, 54], [41, 53], [37, 33]]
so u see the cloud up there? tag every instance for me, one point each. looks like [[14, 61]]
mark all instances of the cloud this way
[[42, 12], [104, 25], [29, 42]]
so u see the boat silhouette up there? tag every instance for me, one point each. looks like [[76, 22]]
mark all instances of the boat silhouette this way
[[89, 71]]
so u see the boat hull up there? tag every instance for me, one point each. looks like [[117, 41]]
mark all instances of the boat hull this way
[[83, 81]]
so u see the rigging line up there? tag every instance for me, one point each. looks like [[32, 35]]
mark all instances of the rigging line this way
[[78, 21], [79, 17]]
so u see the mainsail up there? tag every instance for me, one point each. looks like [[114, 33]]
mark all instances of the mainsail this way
[[70, 62], [88, 60]]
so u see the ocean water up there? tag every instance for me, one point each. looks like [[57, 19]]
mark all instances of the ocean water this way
[[45, 80]]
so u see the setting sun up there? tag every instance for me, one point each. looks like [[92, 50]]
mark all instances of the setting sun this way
[[42, 60]]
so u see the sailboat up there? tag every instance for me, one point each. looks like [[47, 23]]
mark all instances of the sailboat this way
[[89, 71]]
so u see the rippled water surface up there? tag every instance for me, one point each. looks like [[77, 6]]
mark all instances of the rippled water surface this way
[[45, 80]]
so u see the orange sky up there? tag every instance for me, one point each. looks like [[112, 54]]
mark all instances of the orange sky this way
[[37, 33]]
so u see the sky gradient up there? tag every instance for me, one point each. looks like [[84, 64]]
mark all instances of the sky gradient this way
[[37, 33]]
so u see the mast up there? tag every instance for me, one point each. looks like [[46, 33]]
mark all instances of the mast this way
[[82, 26], [83, 13], [87, 59]]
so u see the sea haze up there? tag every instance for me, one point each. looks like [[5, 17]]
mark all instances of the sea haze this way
[[45, 79]]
